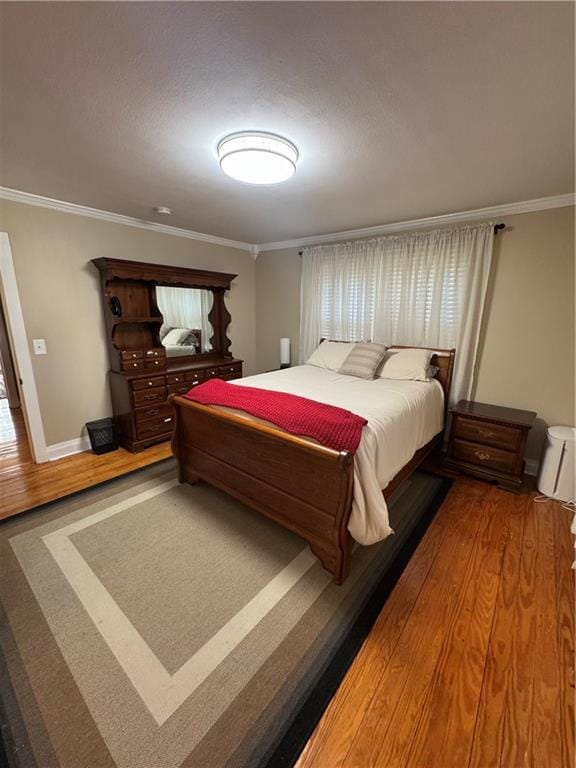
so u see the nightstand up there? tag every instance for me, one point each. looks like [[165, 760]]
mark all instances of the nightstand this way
[[489, 441]]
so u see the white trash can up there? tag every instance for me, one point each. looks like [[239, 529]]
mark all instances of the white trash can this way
[[557, 475]]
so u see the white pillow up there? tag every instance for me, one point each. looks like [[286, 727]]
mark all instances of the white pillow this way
[[176, 336], [331, 354], [406, 364]]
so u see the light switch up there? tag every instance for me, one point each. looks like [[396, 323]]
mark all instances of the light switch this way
[[39, 346]]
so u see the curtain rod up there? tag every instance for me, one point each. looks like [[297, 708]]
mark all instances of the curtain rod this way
[[497, 228]]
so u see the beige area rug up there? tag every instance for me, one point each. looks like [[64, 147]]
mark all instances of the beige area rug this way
[[147, 624]]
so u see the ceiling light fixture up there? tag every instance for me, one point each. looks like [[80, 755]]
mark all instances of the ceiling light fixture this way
[[257, 158]]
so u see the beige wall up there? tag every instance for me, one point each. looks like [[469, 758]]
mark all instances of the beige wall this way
[[60, 296], [527, 347]]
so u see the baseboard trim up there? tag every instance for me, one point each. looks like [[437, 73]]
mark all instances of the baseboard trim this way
[[531, 467], [68, 448]]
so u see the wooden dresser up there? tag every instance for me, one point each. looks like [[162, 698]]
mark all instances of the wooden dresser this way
[[142, 375], [489, 442], [140, 400]]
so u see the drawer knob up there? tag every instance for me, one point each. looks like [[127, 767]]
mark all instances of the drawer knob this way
[[166, 421], [133, 354], [135, 365], [150, 384], [482, 455]]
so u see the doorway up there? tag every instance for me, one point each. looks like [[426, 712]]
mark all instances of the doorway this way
[[14, 444]]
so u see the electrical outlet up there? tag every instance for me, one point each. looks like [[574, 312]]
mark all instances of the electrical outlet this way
[[39, 346]]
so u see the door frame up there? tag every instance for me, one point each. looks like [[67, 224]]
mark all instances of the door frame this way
[[21, 352]]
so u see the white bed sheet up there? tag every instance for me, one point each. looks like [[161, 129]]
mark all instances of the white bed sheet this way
[[402, 417]]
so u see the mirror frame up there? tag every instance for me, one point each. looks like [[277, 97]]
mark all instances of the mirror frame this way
[[162, 274]]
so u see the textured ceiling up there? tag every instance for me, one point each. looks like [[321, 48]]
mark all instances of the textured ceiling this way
[[399, 110]]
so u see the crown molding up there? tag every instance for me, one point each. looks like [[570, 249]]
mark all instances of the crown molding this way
[[509, 209], [527, 206], [28, 198]]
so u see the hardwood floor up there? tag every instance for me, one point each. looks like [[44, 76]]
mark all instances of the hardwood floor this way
[[471, 662], [14, 447], [24, 485]]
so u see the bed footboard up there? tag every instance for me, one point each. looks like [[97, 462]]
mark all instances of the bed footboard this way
[[304, 487]]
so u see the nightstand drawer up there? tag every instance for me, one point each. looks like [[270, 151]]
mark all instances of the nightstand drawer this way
[[484, 456], [486, 433]]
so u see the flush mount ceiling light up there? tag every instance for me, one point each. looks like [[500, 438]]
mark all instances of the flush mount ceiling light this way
[[257, 158]]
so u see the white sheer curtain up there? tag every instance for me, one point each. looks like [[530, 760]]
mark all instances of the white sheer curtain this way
[[186, 308], [421, 289]]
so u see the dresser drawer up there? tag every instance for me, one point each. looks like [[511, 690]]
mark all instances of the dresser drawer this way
[[232, 371], [132, 365], [156, 381], [162, 425], [212, 373], [180, 389], [150, 396], [485, 456], [153, 411], [135, 354], [486, 433], [194, 375], [175, 378], [159, 362]]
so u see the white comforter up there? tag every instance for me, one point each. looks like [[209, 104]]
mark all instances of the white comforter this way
[[402, 417]]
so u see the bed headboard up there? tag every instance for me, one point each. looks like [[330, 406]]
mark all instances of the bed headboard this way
[[443, 359]]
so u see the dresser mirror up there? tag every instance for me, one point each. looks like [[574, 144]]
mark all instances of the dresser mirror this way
[[186, 329]]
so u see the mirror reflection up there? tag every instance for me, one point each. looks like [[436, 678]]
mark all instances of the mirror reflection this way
[[186, 329]]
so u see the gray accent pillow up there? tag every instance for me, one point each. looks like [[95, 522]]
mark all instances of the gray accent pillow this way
[[363, 360]]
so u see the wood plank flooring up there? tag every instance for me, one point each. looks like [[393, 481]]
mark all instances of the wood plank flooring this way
[[24, 485], [471, 661], [14, 448]]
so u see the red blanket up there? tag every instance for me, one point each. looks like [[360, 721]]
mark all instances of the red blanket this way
[[331, 426]]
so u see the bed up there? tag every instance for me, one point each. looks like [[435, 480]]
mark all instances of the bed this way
[[327, 497], [188, 341]]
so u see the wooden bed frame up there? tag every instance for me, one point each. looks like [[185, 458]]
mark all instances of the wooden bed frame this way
[[303, 486]]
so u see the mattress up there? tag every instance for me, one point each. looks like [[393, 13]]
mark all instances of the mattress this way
[[402, 417]]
